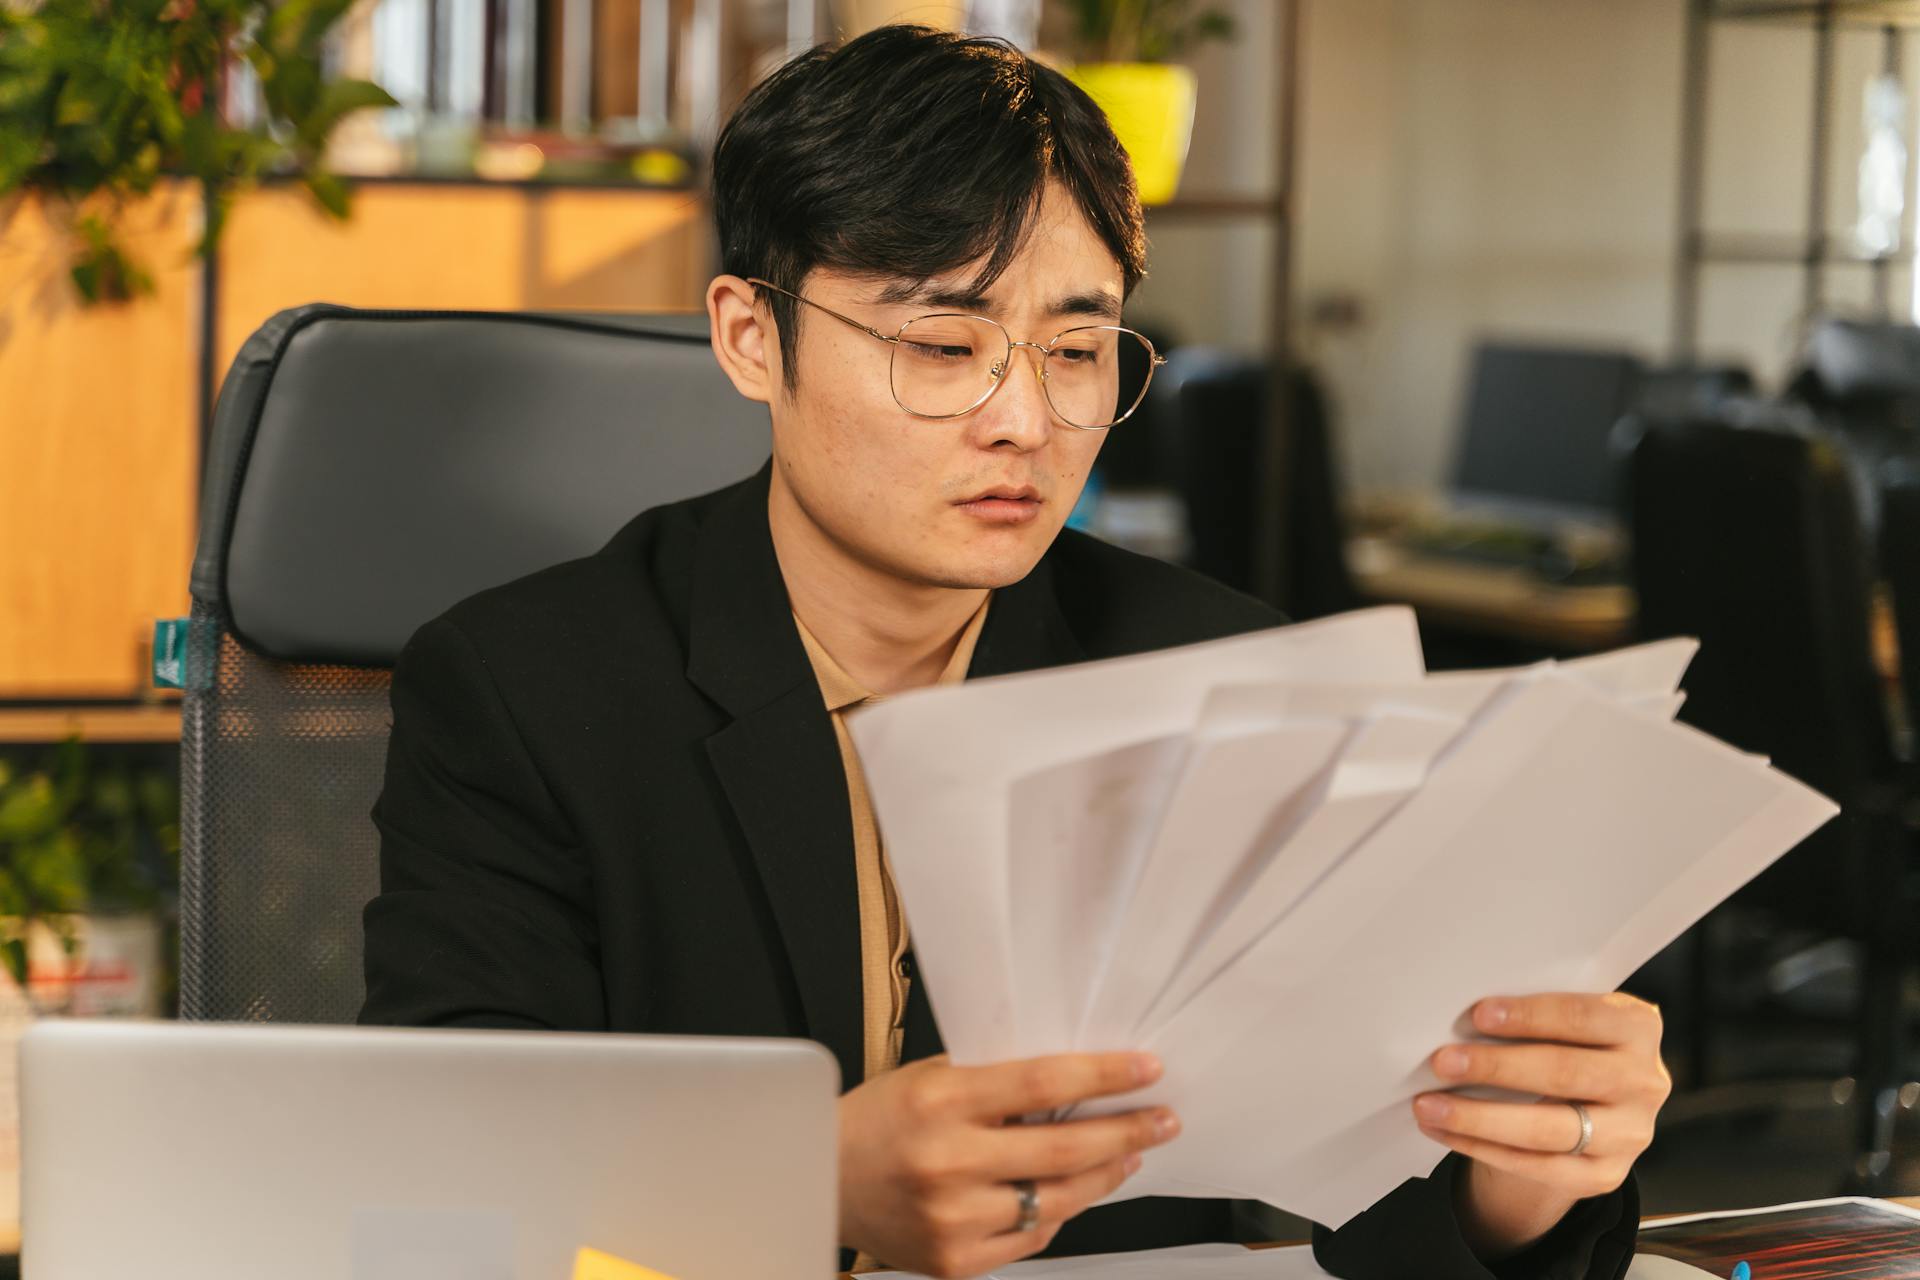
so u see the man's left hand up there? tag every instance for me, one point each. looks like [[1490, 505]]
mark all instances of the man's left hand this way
[[1602, 1051]]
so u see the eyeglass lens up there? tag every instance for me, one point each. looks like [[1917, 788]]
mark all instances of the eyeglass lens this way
[[945, 365]]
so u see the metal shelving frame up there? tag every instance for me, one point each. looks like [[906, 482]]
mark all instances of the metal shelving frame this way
[[1818, 249]]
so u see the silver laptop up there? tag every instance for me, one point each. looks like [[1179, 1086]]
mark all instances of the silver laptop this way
[[235, 1152]]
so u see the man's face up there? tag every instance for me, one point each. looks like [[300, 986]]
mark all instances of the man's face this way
[[902, 494]]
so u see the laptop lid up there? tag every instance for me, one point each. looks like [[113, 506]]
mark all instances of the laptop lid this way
[[233, 1152]]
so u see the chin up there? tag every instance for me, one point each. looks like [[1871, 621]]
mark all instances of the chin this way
[[977, 567]]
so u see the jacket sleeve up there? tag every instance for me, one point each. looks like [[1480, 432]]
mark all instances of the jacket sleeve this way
[[484, 915], [1413, 1230]]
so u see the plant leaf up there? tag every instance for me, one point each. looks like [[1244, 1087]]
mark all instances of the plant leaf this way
[[329, 191]]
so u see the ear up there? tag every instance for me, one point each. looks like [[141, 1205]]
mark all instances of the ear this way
[[744, 339]]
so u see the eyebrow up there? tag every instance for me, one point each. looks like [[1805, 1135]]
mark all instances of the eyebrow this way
[[1088, 302]]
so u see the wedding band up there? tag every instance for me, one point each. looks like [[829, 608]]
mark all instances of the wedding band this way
[[1029, 1206], [1586, 1128]]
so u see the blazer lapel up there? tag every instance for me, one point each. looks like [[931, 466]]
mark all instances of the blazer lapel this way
[[780, 764]]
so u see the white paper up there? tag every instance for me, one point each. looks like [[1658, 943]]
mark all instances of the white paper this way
[[1232, 790], [1384, 762], [1682, 1220], [1508, 873], [938, 763], [1290, 863]]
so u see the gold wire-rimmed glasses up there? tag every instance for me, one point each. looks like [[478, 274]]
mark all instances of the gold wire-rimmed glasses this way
[[948, 364]]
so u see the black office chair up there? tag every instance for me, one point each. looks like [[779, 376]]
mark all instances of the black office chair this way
[[1748, 536], [1900, 567], [1862, 380], [367, 470], [1677, 390], [1220, 442]]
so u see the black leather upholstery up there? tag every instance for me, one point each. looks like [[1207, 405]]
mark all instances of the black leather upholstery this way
[[370, 468]]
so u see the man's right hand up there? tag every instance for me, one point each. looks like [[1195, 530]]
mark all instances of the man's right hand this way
[[930, 1153]]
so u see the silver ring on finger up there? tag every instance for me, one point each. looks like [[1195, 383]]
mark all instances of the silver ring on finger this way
[[1029, 1206], [1586, 1128]]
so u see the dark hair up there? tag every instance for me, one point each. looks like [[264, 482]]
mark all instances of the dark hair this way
[[908, 152]]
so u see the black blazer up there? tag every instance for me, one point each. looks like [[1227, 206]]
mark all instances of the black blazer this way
[[614, 801]]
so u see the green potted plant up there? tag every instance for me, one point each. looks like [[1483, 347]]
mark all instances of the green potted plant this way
[[1123, 51], [100, 100], [89, 856]]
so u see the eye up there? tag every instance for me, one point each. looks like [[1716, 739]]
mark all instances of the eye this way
[[939, 352]]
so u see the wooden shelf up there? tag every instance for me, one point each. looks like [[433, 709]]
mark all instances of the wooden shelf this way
[[22, 725], [1791, 250], [1203, 206]]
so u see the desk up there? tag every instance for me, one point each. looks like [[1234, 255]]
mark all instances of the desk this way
[[1911, 1202], [1489, 599], [1515, 604]]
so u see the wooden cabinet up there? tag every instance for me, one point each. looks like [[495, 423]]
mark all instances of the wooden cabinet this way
[[99, 414]]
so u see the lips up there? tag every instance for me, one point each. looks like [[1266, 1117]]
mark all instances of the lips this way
[[1011, 493], [1003, 505]]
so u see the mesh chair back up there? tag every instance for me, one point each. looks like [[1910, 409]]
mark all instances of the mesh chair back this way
[[1749, 538], [367, 470]]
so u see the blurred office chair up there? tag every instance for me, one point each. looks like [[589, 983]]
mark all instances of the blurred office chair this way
[[1220, 445], [1862, 379], [1748, 537], [1676, 390], [1900, 567], [367, 470], [1863, 359]]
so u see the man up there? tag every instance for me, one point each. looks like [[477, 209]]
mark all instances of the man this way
[[620, 794]]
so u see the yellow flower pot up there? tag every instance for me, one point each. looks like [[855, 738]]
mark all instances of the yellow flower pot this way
[[1151, 107], [858, 17]]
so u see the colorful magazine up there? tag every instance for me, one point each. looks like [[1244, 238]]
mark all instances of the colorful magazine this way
[[1847, 1238]]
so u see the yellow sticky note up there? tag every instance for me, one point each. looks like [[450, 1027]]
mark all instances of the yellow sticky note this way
[[591, 1264]]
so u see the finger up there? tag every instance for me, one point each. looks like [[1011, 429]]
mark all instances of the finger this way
[[1044, 1084], [1577, 1176], [1552, 1128], [991, 1209], [1571, 1018], [1062, 1150], [1556, 1071]]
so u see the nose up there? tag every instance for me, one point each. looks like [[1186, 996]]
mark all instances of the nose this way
[[1017, 413]]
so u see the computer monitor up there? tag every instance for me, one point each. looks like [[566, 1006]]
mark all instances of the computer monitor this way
[[1536, 428], [237, 1152]]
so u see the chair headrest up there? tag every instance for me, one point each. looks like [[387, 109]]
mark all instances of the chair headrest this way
[[1855, 359], [368, 469]]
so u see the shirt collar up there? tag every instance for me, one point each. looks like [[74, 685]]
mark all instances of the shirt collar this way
[[841, 690]]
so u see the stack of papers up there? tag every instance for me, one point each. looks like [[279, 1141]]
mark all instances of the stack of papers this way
[[1290, 862]]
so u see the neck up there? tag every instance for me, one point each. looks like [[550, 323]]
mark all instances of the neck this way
[[889, 634]]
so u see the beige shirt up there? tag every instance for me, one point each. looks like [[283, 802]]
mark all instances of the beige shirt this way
[[883, 929]]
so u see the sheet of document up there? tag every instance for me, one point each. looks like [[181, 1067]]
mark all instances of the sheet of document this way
[[1386, 758], [1509, 872], [1233, 796], [1385, 761], [938, 763], [1290, 863]]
